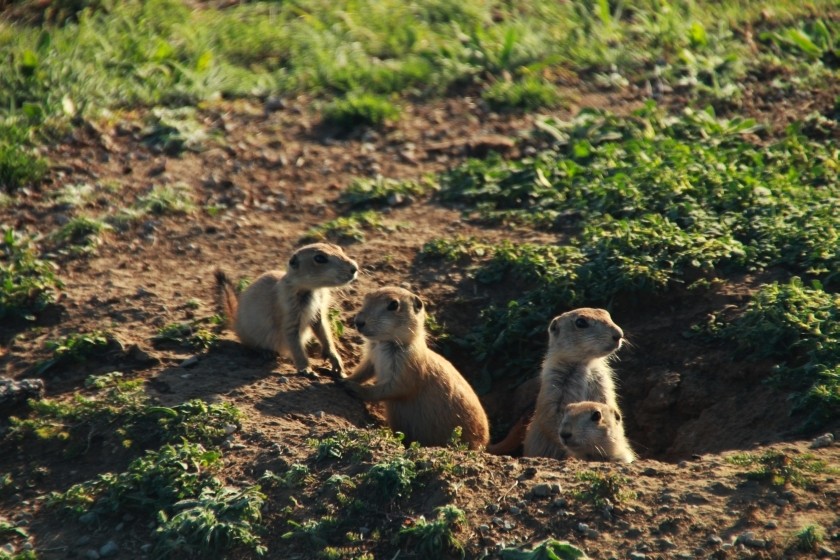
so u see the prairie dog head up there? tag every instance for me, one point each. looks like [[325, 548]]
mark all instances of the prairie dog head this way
[[582, 335], [593, 431], [321, 265], [392, 314]]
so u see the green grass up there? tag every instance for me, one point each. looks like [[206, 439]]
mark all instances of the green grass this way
[[548, 549], [778, 469], [81, 235], [360, 109], [19, 168], [808, 538], [28, 283], [381, 191], [190, 335], [528, 93], [75, 348], [646, 204], [603, 489], [168, 199], [436, 539], [349, 228], [798, 327]]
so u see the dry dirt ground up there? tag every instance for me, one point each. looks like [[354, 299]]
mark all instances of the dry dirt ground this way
[[278, 172]]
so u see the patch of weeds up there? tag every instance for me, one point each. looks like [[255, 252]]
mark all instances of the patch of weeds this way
[[75, 348], [391, 480], [75, 195], [350, 228], [354, 445], [27, 283], [121, 410], [153, 482], [547, 550], [218, 520], [454, 249], [174, 199], [529, 93], [295, 476], [603, 489], [19, 168], [82, 234], [315, 532], [173, 131], [814, 40], [436, 539], [382, 191], [799, 328], [779, 469], [360, 109], [8, 529], [808, 539], [190, 334]]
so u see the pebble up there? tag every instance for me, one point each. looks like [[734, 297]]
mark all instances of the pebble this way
[[110, 548], [637, 556], [781, 502], [189, 362], [483, 528], [83, 540], [559, 503], [146, 548], [27, 546], [771, 525], [543, 490], [282, 380], [8, 548], [492, 508], [230, 428], [92, 555], [826, 552], [749, 539], [320, 414], [87, 518], [824, 440], [514, 510], [666, 544], [715, 540]]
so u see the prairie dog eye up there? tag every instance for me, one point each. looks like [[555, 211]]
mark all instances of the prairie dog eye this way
[[581, 323], [394, 305], [596, 415], [320, 259]]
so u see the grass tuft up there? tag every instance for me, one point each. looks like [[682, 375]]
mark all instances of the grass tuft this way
[[360, 109]]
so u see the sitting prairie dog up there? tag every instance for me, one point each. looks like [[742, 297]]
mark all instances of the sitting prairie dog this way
[[575, 369], [593, 431], [425, 396], [280, 311]]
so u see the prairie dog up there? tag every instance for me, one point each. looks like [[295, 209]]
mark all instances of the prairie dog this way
[[425, 396], [575, 369], [593, 431], [280, 311]]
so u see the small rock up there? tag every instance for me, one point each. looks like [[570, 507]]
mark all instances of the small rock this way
[[771, 525], [715, 540], [27, 546], [83, 540], [541, 490], [92, 555], [824, 440], [110, 548], [749, 539], [781, 502], [633, 533], [320, 414], [230, 428], [119, 527], [282, 380], [87, 518], [591, 533], [492, 508], [582, 527], [554, 488], [146, 548], [498, 521], [483, 528], [637, 556], [514, 510], [559, 503], [666, 544], [8, 548], [825, 552]]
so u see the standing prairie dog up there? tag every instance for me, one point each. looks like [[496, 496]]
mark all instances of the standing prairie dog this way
[[575, 369], [280, 311], [425, 396], [593, 431]]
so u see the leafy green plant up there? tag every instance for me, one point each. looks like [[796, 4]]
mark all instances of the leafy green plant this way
[[799, 328], [529, 93], [392, 479], [780, 469], [81, 233], [808, 538], [174, 131], [75, 348], [19, 168], [381, 191], [348, 228], [214, 522], [815, 40], [549, 549], [190, 334], [358, 109], [436, 539], [603, 489], [174, 199], [27, 283]]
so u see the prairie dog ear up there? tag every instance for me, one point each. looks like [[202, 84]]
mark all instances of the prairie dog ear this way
[[617, 414], [294, 262], [418, 304], [554, 325]]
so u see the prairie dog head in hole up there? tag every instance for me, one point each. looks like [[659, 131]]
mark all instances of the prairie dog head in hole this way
[[593, 431], [392, 314], [583, 334], [321, 265]]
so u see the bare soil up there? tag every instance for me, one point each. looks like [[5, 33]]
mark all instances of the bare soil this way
[[687, 405]]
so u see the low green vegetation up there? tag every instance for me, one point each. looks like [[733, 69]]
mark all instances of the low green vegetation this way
[[808, 539], [75, 348], [349, 228], [167, 199], [603, 489], [436, 539], [80, 235], [642, 205], [549, 549], [381, 191], [360, 109], [27, 283], [779, 469], [528, 94], [192, 334], [798, 327]]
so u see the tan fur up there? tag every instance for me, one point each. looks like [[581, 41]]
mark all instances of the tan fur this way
[[575, 369], [593, 431], [280, 311], [425, 396]]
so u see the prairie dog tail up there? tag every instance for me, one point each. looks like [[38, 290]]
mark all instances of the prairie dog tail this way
[[514, 438], [227, 297]]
